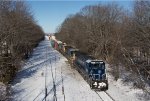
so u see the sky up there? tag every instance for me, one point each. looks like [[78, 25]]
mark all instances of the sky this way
[[49, 14]]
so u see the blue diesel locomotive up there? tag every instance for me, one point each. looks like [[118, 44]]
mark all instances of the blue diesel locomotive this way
[[94, 71]]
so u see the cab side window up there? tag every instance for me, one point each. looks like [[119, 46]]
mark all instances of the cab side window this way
[[102, 66]]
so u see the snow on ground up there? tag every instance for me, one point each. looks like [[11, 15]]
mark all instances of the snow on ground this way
[[29, 84], [125, 91], [122, 92], [2, 91], [46, 64]]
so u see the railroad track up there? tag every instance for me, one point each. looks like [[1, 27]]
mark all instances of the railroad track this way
[[53, 74], [104, 96], [99, 96]]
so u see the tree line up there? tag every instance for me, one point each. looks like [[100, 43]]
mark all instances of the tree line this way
[[116, 35], [19, 34]]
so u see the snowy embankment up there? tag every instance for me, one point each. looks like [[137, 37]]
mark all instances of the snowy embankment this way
[[2, 91], [126, 87], [48, 68]]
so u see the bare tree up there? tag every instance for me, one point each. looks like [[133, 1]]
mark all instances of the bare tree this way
[[19, 34]]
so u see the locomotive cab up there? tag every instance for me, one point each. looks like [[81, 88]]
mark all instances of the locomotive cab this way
[[72, 52], [97, 74]]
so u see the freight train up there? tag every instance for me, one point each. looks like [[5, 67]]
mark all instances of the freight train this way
[[92, 70]]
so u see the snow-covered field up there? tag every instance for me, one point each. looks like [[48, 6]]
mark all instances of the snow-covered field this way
[[47, 67]]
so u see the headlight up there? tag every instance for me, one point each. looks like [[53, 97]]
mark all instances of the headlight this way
[[95, 84]]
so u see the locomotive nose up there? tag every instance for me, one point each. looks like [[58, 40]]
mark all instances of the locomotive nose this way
[[99, 85]]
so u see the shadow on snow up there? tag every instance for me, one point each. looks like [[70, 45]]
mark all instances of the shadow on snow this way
[[42, 55]]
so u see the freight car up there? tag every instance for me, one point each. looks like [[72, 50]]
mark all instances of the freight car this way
[[54, 44], [60, 45]]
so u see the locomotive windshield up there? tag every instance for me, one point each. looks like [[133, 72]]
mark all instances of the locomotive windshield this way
[[97, 70], [97, 65]]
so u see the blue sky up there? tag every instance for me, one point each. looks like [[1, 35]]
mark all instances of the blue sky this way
[[50, 14]]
